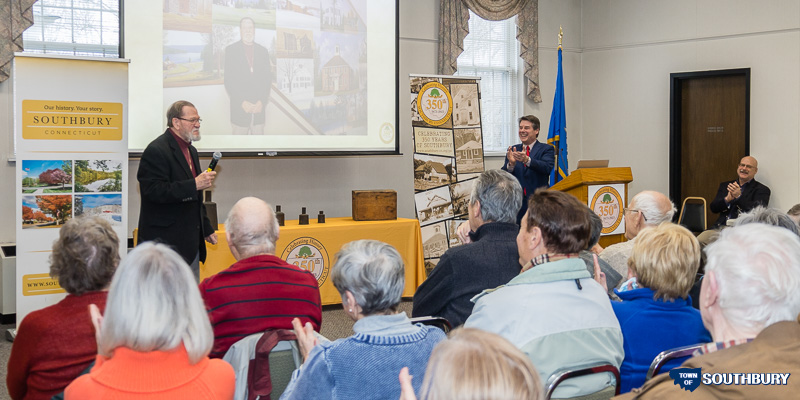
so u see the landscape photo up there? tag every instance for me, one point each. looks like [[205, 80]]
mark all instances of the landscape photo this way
[[107, 206], [46, 211], [46, 176], [98, 176]]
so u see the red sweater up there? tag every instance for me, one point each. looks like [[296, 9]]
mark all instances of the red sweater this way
[[53, 345], [155, 375], [258, 293]]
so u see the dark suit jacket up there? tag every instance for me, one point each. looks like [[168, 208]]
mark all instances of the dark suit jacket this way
[[754, 194], [543, 158], [172, 209], [243, 84], [465, 271]]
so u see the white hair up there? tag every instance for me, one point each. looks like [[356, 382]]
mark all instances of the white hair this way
[[154, 304], [648, 204], [757, 268], [373, 272], [253, 227]]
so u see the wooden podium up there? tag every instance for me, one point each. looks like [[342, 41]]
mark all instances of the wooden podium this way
[[578, 182]]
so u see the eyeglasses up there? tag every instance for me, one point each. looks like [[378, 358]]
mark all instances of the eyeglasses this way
[[635, 210], [191, 121]]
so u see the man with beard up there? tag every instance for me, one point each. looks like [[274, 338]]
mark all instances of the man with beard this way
[[171, 184]]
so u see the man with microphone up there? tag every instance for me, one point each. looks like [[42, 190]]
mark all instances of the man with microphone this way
[[171, 182]]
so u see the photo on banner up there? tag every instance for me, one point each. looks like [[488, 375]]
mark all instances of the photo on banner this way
[[448, 156]]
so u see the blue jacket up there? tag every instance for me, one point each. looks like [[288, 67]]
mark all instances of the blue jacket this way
[[543, 158], [651, 326]]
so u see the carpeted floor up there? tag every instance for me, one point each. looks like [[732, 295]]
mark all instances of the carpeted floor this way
[[335, 324]]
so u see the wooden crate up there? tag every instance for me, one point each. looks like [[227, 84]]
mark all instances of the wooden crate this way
[[374, 205]]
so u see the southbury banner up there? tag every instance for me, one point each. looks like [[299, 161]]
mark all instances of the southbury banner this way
[[71, 147], [448, 156]]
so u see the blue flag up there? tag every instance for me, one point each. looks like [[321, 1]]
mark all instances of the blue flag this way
[[557, 137]]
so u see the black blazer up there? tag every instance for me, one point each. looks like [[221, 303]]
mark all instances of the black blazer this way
[[172, 209], [754, 194]]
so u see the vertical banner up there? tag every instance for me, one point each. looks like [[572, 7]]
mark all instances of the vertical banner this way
[[448, 156], [71, 148]]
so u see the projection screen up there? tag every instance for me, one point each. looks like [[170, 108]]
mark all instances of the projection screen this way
[[286, 77]]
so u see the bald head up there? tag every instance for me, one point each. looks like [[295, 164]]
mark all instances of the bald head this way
[[251, 228], [648, 208], [747, 169]]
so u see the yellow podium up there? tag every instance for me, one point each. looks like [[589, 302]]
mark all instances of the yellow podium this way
[[313, 247]]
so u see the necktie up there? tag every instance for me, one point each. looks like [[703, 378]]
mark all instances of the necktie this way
[[528, 151]]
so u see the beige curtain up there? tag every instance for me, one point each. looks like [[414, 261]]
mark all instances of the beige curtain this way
[[15, 17], [454, 27]]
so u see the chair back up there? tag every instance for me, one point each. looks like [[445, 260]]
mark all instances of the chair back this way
[[600, 368], [263, 363], [693, 214], [439, 322], [666, 355]]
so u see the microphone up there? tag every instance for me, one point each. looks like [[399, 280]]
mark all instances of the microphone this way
[[213, 164]]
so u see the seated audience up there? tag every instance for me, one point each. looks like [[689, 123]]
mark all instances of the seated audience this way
[[154, 339], [553, 310], [647, 208], [260, 291], [613, 278], [658, 315], [750, 301], [488, 261], [55, 344], [474, 364], [370, 277]]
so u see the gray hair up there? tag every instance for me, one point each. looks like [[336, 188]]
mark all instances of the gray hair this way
[[652, 207], [795, 210], [175, 110], [500, 195], [373, 272], [757, 268], [154, 304], [769, 216], [597, 228], [253, 227]]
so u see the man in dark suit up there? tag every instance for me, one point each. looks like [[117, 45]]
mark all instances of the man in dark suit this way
[[739, 195], [248, 80], [530, 161], [171, 183], [489, 257]]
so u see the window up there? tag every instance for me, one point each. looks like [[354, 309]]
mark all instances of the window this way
[[491, 51], [74, 27]]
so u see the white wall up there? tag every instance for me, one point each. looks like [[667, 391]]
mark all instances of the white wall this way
[[631, 46]]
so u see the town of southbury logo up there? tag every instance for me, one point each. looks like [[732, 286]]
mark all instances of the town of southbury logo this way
[[607, 203], [434, 103], [309, 254]]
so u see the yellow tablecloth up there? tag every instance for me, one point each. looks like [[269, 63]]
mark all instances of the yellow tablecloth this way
[[314, 246]]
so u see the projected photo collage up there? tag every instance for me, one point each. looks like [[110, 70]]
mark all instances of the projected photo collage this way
[[54, 191], [286, 66]]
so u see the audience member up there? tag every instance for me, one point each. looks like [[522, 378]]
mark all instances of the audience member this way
[[260, 291], [750, 300], [370, 277], [647, 208], [769, 216], [490, 260], [794, 214], [613, 278], [474, 364], [658, 315], [553, 310], [154, 339], [739, 195], [55, 344]]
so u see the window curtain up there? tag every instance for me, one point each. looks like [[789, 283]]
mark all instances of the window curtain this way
[[454, 27], [15, 17]]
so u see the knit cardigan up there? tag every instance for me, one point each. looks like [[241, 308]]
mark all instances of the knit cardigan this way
[[366, 365]]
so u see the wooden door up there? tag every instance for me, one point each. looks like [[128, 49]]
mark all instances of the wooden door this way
[[710, 135]]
